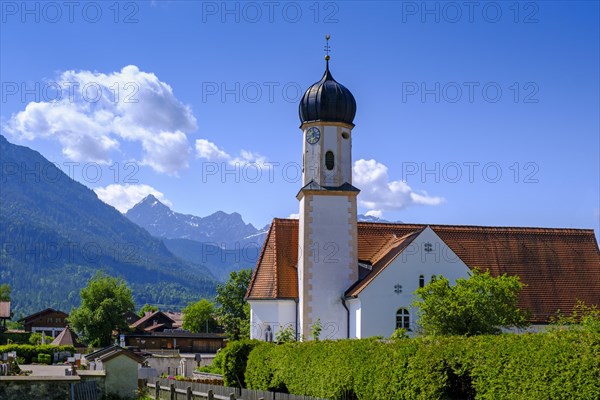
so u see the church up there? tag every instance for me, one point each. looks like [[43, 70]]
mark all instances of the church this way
[[357, 279]]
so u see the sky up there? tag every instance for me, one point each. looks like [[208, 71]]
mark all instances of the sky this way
[[470, 113]]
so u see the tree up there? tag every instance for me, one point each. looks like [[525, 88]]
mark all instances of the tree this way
[[478, 305], [199, 317], [147, 307], [5, 291], [104, 301], [233, 312]]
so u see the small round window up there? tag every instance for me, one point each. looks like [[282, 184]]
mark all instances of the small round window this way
[[329, 161], [345, 135]]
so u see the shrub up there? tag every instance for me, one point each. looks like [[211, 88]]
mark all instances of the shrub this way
[[235, 356], [44, 358], [28, 351], [553, 365]]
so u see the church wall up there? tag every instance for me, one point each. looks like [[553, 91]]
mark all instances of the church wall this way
[[276, 313], [379, 300], [329, 263], [355, 311]]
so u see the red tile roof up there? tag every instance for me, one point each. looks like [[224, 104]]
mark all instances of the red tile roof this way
[[277, 276], [558, 266]]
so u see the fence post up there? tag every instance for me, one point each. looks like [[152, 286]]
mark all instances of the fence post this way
[[157, 391], [210, 396], [189, 393], [173, 393]]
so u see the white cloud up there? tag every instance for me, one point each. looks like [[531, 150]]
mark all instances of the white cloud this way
[[123, 197], [294, 216], [248, 157], [96, 112], [379, 194], [210, 151]]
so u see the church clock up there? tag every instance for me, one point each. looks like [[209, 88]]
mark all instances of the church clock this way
[[313, 135]]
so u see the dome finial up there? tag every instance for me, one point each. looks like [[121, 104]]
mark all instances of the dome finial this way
[[327, 48]]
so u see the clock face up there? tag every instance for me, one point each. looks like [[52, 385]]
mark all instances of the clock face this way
[[313, 135]]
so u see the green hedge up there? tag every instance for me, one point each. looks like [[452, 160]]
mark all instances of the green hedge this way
[[15, 337], [28, 351], [557, 365], [44, 359], [234, 359]]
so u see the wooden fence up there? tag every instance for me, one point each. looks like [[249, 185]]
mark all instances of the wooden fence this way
[[165, 389]]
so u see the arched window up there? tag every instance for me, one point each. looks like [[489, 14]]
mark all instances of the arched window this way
[[329, 162], [402, 319], [421, 280]]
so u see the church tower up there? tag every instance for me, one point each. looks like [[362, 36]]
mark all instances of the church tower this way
[[327, 242]]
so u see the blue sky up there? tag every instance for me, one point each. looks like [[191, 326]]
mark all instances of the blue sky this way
[[482, 115]]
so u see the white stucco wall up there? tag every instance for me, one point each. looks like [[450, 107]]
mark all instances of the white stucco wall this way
[[121, 376], [379, 302], [329, 262], [276, 313], [355, 316]]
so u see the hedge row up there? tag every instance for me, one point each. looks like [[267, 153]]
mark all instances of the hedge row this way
[[556, 365], [234, 358], [28, 351], [15, 337]]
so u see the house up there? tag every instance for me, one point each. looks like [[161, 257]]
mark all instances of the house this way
[[131, 317], [160, 330], [49, 321], [121, 368], [156, 321], [358, 278]]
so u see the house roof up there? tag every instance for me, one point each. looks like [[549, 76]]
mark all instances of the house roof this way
[[111, 352], [40, 314], [558, 266], [4, 309], [67, 338], [151, 316], [276, 275], [388, 253]]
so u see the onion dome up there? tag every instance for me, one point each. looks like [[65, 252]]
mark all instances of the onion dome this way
[[327, 101]]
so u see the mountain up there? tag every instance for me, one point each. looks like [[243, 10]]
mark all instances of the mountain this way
[[371, 218], [221, 262], [55, 234], [220, 229]]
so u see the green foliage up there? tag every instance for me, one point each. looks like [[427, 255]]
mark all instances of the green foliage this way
[[5, 291], [147, 308], [36, 338], [399, 333], [199, 317], [479, 305], [44, 359], [554, 365], [315, 330], [233, 312], [28, 351], [14, 337], [583, 317], [104, 301], [286, 334], [235, 356]]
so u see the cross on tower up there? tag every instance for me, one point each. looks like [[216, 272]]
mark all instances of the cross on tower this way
[[327, 48]]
